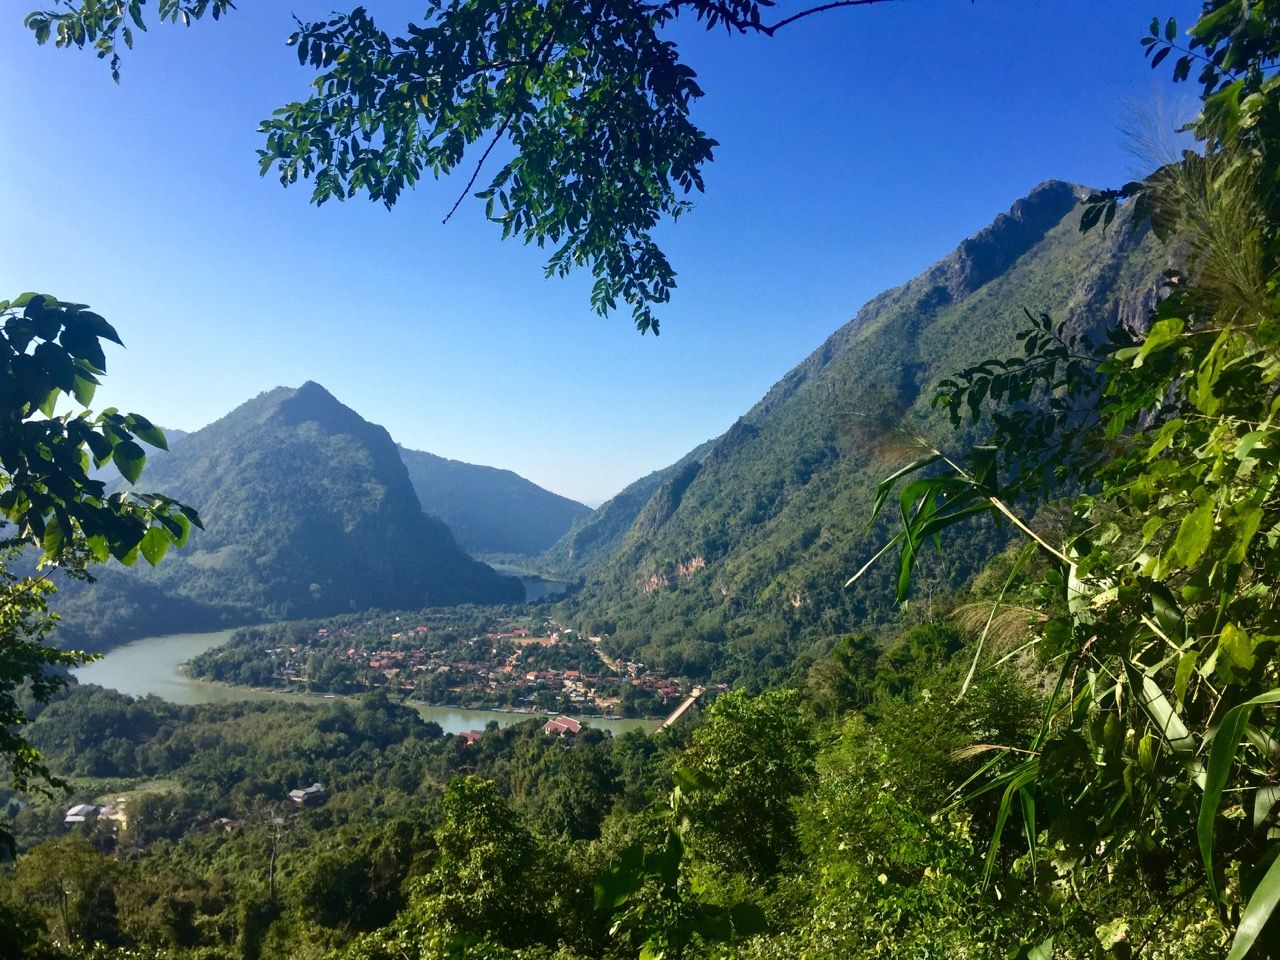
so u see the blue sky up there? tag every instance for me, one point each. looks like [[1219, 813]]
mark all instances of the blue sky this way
[[857, 147]]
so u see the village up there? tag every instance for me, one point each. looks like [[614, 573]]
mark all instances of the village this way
[[517, 664]]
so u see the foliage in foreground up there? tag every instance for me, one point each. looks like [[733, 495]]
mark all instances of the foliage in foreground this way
[[51, 356], [1157, 751], [767, 831]]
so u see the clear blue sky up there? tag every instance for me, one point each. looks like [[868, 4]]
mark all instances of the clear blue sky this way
[[857, 147]]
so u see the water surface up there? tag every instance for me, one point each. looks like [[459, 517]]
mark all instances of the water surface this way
[[154, 666]]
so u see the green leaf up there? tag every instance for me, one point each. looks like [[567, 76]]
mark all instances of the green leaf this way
[[1168, 614], [1246, 444], [1193, 534], [1213, 21], [129, 458], [1235, 651], [48, 404], [54, 537], [1163, 333], [1221, 759], [886, 485], [98, 547], [179, 528], [98, 326], [146, 431], [1257, 912], [1186, 667], [84, 388], [154, 545], [1163, 716], [1264, 801], [1244, 525]]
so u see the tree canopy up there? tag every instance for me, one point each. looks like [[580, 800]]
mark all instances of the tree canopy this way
[[590, 96]]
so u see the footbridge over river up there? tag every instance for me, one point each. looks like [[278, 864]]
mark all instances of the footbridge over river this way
[[682, 711]]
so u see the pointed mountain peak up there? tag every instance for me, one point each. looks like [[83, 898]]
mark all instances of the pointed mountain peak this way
[[312, 403], [313, 389], [992, 250]]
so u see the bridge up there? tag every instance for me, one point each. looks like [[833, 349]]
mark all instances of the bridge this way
[[680, 712]]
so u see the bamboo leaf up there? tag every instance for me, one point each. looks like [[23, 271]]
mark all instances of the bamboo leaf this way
[[1221, 759], [1157, 706], [886, 485], [1257, 912], [1264, 801]]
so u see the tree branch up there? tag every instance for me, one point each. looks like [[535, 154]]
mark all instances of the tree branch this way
[[476, 172], [726, 14], [771, 29], [537, 62]]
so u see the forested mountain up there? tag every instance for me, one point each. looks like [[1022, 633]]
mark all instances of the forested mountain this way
[[595, 536], [490, 510], [308, 510], [736, 559]]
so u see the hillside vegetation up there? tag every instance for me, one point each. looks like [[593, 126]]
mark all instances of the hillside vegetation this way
[[734, 562], [308, 510]]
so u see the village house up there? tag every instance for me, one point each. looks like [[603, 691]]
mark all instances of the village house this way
[[561, 726], [308, 795], [84, 812]]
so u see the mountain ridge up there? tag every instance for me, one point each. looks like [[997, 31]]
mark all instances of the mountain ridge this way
[[308, 511], [489, 509], [741, 575]]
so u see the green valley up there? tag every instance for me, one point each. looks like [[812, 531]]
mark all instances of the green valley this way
[[962, 642]]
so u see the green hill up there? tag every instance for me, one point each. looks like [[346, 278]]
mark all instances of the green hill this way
[[594, 537], [735, 562], [308, 511], [490, 511]]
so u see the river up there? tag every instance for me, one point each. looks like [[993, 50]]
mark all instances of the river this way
[[154, 666]]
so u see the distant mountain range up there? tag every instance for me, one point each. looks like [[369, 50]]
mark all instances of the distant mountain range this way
[[594, 536], [490, 511], [733, 560], [308, 511]]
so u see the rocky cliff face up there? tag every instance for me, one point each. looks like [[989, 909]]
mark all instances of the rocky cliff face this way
[[984, 256]]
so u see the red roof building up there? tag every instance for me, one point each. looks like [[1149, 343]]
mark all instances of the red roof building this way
[[561, 726]]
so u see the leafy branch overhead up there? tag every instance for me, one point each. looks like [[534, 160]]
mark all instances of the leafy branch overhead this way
[[585, 100]]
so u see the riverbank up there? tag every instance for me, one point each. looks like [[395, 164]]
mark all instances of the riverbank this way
[[153, 666]]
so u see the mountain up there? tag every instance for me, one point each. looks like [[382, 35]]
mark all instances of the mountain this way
[[308, 511], [735, 562], [595, 536], [490, 510]]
